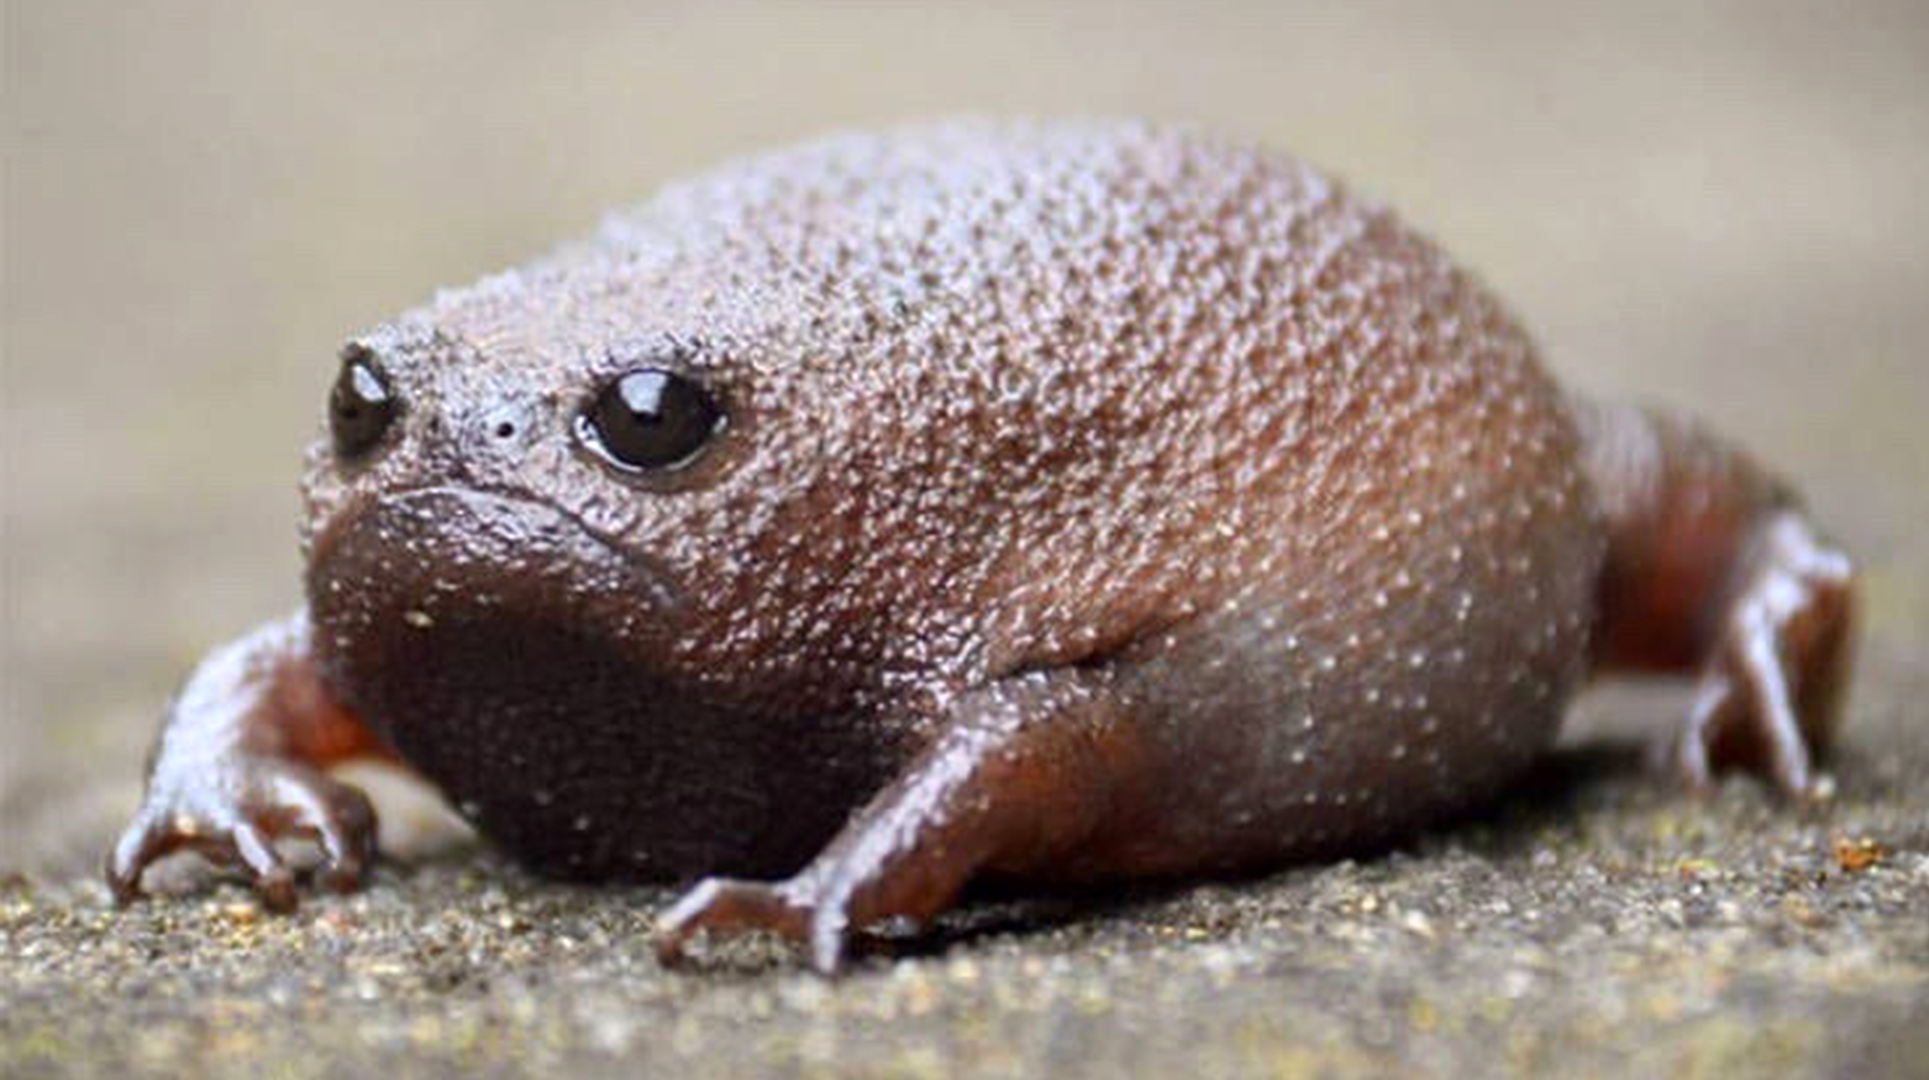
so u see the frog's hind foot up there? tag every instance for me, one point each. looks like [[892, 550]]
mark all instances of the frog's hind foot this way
[[1770, 694], [1714, 570]]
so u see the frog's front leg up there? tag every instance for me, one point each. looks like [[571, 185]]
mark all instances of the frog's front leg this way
[[1713, 568], [239, 764], [1021, 773]]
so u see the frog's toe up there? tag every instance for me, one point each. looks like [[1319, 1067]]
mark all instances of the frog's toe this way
[[146, 840], [273, 881], [339, 817], [1738, 720], [726, 906]]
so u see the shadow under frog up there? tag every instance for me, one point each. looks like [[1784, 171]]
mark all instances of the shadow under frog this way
[[1062, 504]]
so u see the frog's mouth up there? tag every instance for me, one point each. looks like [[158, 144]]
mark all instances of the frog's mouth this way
[[520, 540], [526, 667]]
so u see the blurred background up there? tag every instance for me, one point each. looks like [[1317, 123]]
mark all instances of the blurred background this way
[[1722, 206]]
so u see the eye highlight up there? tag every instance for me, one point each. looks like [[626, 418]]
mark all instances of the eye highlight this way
[[362, 406], [650, 419]]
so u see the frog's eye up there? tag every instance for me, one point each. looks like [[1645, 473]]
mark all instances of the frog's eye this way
[[362, 405], [650, 419]]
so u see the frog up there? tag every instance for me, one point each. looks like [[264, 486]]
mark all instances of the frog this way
[[1056, 504]]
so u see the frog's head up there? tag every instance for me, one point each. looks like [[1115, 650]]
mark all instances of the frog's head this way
[[598, 560]]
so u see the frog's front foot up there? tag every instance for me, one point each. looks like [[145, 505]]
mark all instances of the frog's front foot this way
[[233, 809], [240, 765], [1771, 689], [1021, 774]]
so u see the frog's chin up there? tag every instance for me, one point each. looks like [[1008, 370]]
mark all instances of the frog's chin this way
[[523, 666]]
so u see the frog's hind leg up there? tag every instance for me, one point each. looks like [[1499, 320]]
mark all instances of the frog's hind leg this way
[[1714, 569]]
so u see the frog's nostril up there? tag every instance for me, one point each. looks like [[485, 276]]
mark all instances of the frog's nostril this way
[[505, 426]]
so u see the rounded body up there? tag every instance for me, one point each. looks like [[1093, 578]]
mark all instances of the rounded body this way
[[1001, 399]]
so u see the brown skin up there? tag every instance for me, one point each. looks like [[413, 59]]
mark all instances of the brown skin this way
[[1088, 503]]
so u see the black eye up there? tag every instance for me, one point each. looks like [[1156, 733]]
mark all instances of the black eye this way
[[361, 407], [650, 419]]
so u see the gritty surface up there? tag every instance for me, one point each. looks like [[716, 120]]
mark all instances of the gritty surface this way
[[1595, 927], [1720, 208]]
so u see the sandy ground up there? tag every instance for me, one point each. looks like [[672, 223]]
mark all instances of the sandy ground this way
[[1725, 207]]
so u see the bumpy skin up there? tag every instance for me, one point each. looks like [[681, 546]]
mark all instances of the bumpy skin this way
[[1095, 502]]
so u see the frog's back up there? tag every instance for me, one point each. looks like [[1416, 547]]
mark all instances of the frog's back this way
[[1127, 373]]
